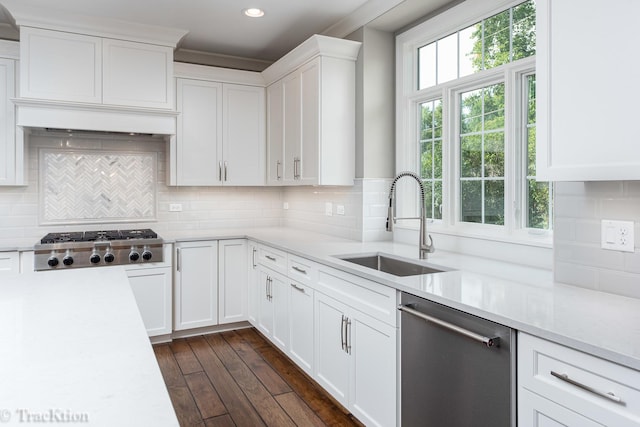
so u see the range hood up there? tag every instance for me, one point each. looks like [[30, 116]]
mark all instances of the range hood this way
[[94, 118]]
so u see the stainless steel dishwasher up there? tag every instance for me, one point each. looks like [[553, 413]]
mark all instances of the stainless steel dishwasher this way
[[457, 370]]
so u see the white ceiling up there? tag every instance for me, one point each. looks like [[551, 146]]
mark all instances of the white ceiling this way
[[218, 26]]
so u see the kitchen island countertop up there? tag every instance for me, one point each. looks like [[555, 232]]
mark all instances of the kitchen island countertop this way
[[75, 351]]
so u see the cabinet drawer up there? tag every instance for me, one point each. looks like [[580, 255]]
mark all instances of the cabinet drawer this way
[[302, 270], [273, 259], [372, 298], [540, 362]]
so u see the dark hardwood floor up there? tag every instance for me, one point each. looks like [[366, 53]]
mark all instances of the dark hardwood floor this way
[[237, 378]]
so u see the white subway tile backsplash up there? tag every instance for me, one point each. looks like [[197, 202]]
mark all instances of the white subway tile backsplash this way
[[578, 258]]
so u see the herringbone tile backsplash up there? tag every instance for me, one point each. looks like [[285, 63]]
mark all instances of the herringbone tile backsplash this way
[[85, 186]]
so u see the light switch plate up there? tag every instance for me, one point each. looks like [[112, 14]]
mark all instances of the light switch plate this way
[[328, 209], [618, 235], [340, 209]]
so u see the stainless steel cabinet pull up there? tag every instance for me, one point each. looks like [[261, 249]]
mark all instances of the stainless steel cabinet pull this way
[[254, 257], [342, 343], [296, 168], [225, 171], [347, 340], [299, 270], [270, 288], [297, 288], [178, 256], [609, 395], [489, 342], [270, 258], [278, 176], [266, 287], [219, 171]]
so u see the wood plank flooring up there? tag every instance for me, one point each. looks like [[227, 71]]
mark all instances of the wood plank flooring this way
[[238, 378]]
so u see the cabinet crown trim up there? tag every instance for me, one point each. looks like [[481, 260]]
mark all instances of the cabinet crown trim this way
[[218, 74], [315, 45], [51, 19]]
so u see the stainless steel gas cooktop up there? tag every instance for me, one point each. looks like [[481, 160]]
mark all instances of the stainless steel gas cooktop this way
[[79, 249]]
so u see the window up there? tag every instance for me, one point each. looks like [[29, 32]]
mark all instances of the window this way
[[469, 95]]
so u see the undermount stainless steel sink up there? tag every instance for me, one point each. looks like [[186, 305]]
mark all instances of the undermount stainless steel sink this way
[[391, 265]]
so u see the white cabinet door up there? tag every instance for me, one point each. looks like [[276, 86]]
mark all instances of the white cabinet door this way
[[10, 263], [275, 133], [232, 280], [60, 66], [292, 125], [137, 74], [372, 392], [243, 135], [152, 290], [196, 293], [586, 91], [11, 155], [332, 358], [280, 301], [309, 155], [301, 325], [265, 306], [253, 285], [199, 133], [536, 411]]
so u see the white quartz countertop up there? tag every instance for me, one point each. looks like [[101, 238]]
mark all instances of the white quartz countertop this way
[[524, 298], [74, 350]]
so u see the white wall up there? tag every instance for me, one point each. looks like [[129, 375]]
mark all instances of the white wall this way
[[578, 258]]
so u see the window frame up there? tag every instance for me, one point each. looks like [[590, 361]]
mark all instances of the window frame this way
[[408, 100]]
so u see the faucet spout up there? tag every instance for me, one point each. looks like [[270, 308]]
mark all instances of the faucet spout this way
[[424, 247]]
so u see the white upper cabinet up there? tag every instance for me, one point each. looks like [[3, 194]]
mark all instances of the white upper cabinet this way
[[587, 88], [311, 118], [11, 138], [221, 128], [60, 66], [70, 67], [137, 74], [199, 153]]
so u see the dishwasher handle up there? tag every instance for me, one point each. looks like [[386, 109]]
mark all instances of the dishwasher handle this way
[[488, 341]]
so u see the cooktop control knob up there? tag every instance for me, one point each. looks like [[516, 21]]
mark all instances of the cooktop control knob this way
[[134, 255], [109, 257], [94, 258], [67, 260], [147, 255], [52, 261]]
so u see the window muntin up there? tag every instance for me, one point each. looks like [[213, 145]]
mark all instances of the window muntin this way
[[497, 40], [482, 160], [538, 195], [430, 157]]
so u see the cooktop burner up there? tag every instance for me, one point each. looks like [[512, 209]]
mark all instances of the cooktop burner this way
[[92, 236]]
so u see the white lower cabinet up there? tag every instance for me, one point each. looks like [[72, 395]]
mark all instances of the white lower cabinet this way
[[355, 360], [338, 328], [273, 317], [560, 386], [252, 279], [232, 280], [152, 290], [196, 293], [10, 262], [301, 301], [211, 283]]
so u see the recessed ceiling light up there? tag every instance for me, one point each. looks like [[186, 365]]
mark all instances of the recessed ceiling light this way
[[254, 12]]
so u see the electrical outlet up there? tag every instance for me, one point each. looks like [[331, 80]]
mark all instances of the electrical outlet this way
[[175, 207], [340, 209], [285, 205], [618, 235], [328, 209]]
